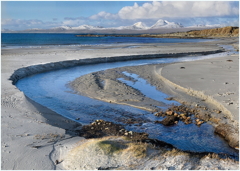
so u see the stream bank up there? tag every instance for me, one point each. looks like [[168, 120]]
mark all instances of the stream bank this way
[[17, 111]]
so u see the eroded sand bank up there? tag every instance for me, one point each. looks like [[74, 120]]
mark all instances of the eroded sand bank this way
[[42, 134]]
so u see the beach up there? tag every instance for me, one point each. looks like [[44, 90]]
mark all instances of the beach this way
[[34, 137]]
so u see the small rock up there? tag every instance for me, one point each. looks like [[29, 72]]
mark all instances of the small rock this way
[[199, 123], [184, 117], [169, 112], [169, 98], [56, 162], [182, 114], [169, 120]]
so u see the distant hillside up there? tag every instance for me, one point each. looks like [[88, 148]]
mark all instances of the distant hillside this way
[[206, 33]]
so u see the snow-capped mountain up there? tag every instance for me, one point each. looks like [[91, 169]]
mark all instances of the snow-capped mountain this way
[[139, 25], [136, 26], [165, 24], [82, 27], [87, 27]]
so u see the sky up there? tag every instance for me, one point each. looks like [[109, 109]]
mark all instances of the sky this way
[[21, 15]]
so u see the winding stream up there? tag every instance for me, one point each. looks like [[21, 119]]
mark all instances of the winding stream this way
[[49, 89]]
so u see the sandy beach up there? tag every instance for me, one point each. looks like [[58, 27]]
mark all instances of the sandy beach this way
[[34, 137]]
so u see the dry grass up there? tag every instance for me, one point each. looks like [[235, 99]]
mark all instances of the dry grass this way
[[110, 147], [138, 150]]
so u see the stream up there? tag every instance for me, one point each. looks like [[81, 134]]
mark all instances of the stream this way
[[49, 89]]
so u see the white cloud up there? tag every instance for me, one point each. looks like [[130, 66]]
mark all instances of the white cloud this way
[[178, 9], [104, 15], [71, 22]]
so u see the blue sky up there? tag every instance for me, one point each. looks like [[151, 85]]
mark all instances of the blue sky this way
[[20, 15]]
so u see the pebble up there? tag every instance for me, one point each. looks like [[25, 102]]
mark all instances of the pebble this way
[[169, 112]]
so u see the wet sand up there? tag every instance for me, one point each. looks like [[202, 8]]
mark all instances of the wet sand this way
[[45, 136]]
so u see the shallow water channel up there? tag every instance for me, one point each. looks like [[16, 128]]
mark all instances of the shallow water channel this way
[[49, 89]]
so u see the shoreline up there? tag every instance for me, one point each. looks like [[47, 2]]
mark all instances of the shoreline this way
[[18, 114]]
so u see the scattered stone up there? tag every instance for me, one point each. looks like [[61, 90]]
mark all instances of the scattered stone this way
[[169, 120], [199, 123], [169, 113], [161, 113], [101, 128], [169, 98], [217, 111], [203, 116]]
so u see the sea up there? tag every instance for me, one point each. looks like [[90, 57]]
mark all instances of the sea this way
[[20, 40]]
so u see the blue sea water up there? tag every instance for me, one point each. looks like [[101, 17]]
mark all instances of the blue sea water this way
[[41, 39]]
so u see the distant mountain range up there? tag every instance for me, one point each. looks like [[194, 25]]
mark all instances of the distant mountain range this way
[[160, 24], [137, 26]]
